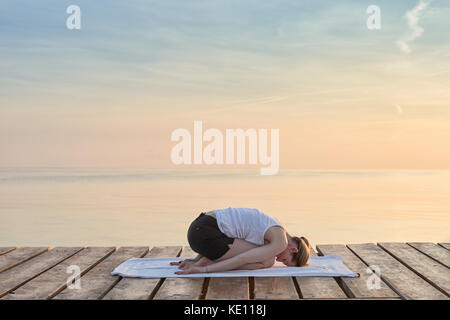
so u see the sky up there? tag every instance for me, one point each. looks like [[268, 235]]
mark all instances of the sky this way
[[343, 96]]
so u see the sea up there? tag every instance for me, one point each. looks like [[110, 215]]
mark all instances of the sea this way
[[154, 207]]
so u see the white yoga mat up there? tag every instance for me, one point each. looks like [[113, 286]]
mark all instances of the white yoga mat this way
[[322, 266]]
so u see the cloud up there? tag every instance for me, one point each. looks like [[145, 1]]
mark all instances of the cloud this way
[[248, 102], [399, 108], [416, 30]]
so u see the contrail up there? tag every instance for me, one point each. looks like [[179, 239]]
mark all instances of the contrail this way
[[412, 17]]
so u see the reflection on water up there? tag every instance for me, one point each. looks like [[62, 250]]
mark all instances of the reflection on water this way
[[54, 206]]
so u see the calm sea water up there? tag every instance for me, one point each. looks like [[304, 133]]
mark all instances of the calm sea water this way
[[72, 207]]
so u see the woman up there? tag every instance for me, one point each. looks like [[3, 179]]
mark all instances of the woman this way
[[241, 238]]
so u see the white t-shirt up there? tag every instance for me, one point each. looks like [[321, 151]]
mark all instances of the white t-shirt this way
[[245, 223]]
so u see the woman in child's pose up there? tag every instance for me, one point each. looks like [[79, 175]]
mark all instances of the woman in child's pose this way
[[241, 238]]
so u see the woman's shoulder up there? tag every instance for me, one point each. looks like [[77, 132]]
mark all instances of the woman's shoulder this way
[[275, 233]]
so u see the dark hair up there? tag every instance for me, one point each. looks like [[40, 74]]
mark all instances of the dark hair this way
[[301, 257]]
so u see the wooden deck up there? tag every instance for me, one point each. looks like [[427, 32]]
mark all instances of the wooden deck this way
[[413, 270]]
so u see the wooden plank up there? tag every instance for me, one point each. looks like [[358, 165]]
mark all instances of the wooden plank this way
[[402, 280], [445, 245], [274, 288], [319, 287], [139, 288], [429, 269], [236, 288], [98, 281], [4, 250], [181, 288], [53, 281], [16, 257], [434, 251], [13, 278], [361, 287]]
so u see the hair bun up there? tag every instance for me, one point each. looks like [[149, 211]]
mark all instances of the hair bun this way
[[305, 241]]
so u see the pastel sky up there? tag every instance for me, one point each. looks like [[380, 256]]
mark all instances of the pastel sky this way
[[110, 94]]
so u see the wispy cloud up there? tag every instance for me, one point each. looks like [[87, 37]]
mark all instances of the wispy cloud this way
[[239, 104], [416, 30], [399, 108]]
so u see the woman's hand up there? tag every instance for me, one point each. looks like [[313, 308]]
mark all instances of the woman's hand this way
[[183, 264], [192, 269]]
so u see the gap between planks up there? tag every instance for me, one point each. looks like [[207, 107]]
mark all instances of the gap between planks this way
[[436, 274]]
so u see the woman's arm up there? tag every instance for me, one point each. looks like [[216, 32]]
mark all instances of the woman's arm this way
[[258, 265], [252, 256]]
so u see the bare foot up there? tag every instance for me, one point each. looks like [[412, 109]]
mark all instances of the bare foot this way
[[203, 262], [183, 264]]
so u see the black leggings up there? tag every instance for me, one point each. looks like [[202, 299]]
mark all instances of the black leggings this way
[[206, 239]]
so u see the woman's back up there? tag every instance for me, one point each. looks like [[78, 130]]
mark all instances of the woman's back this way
[[244, 223]]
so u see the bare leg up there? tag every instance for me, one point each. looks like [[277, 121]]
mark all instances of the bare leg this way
[[239, 246], [203, 262]]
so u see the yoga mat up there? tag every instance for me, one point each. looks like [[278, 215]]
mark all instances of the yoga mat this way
[[321, 266]]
